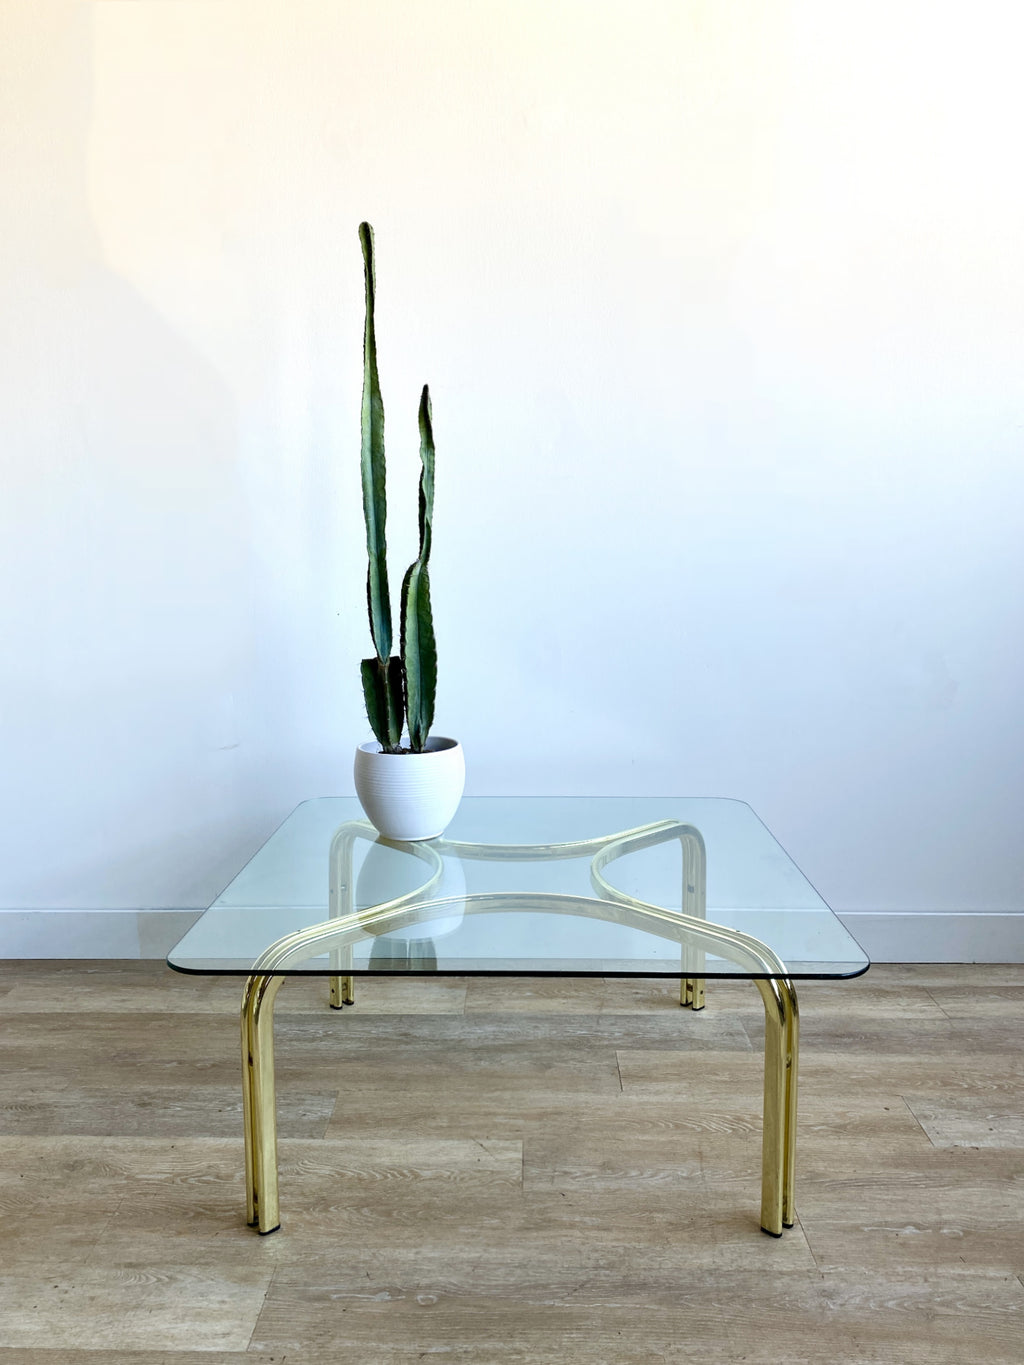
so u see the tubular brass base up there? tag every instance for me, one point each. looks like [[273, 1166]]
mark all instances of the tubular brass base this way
[[691, 993], [778, 1149], [342, 992], [688, 926]]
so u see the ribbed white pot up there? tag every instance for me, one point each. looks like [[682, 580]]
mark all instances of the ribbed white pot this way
[[411, 796]]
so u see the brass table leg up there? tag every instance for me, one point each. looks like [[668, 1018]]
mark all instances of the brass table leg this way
[[691, 992], [778, 1160], [694, 903], [778, 1152], [259, 1106], [342, 992], [341, 904], [793, 1055], [778, 1157]]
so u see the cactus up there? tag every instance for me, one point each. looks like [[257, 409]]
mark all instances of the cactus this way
[[419, 653], [395, 689]]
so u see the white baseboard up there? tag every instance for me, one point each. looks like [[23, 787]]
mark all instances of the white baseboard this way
[[98, 934], [121, 934], [947, 937]]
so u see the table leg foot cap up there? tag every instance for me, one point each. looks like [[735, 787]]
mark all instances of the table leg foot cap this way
[[768, 1232], [275, 1228]]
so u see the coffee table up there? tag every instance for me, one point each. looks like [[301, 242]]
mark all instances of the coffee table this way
[[693, 889]]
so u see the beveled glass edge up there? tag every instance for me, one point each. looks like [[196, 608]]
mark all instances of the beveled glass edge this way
[[849, 972]]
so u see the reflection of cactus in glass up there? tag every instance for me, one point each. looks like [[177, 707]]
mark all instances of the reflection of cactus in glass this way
[[395, 688]]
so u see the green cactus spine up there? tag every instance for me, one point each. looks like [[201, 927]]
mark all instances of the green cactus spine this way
[[395, 689], [419, 652]]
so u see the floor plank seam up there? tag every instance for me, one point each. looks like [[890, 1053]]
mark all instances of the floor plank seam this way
[[920, 1125], [807, 1240], [934, 998], [259, 1313], [753, 1044], [330, 1116]]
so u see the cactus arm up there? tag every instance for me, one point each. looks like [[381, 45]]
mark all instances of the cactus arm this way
[[373, 469], [419, 651], [382, 692]]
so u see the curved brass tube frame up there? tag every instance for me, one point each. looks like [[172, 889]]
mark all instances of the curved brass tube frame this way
[[689, 927]]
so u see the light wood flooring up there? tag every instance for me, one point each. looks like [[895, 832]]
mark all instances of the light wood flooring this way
[[509, 1172]]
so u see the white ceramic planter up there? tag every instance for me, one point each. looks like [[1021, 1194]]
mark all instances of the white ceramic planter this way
[[411, 796]]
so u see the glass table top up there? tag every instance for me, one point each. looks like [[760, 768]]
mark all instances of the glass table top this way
[[525, 886]]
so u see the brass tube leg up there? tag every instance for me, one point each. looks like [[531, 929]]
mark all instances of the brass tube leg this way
[[250, 1141], [793, 1054], [342, 992], [694, 902], [341, 902], [259, 1105], [778, 1151], [692, 992]]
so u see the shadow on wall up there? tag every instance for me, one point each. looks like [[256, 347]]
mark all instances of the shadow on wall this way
[[125, 573]]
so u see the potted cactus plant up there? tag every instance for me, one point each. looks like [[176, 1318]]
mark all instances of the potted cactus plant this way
[[408, 781]]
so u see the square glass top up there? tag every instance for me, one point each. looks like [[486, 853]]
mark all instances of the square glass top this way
[[525, 886]]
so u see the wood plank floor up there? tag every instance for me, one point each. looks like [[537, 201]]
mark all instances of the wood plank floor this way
[[515, 1173]]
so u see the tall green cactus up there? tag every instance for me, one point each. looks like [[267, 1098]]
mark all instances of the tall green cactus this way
[[394, 687]]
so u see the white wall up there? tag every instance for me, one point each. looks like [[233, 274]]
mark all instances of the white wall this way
[[720, 305]]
